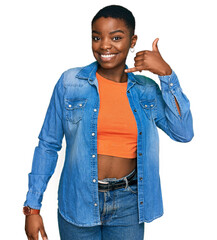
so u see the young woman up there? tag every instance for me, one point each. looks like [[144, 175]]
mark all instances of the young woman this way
[[110, 182]]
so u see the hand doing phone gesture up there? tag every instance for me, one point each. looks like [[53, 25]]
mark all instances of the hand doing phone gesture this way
[[151, 61]]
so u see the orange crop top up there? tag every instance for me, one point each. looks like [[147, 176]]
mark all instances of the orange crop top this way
[[116, 127]]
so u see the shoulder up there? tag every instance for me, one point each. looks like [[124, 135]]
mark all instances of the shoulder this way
[[147, 87], [72, 75], [67, 78], [146, 81], [69, 75]]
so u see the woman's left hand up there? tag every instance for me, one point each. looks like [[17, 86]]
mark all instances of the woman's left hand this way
[[151, 61]]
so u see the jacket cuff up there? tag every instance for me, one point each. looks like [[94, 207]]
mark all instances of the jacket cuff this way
[[169, 82], [33, 200]]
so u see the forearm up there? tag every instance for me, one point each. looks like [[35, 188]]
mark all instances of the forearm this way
[[43, 167], [174, 115], [177, 106]]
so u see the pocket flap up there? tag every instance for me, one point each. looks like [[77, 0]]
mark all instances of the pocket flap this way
[[148, 104], [71, 104]]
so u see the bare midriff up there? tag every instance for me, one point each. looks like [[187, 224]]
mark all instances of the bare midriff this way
[[114, 167]]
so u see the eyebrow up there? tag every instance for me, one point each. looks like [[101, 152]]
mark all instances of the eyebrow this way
[[94, 31]]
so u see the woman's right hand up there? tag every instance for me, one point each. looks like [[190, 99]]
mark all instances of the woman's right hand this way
[[34, 225]]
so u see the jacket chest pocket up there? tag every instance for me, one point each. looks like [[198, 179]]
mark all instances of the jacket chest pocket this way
[[74, 109], [149, 107]]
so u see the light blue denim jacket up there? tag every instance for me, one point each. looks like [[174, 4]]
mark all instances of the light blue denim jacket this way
[[73, 112]]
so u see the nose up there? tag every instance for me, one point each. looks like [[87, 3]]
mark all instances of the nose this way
[[105, 44]]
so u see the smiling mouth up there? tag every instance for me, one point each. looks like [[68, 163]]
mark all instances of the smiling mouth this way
[[107, 57]]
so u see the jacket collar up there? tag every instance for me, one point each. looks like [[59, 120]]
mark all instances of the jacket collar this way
[[89, 73]]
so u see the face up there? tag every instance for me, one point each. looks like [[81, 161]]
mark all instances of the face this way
[[111, 41]]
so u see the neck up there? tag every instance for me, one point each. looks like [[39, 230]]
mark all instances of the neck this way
[[114, 74]]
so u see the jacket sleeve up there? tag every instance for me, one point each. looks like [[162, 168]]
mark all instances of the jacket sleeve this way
[[176, 126], [45, 154]]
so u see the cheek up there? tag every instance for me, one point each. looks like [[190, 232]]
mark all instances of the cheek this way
[[125, 46], [94, 46], [95, 53]]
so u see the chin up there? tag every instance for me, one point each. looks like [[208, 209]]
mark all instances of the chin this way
[[106, 65], [110, 65]]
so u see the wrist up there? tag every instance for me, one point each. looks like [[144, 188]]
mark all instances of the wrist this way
[[30, 211], [166, 71]]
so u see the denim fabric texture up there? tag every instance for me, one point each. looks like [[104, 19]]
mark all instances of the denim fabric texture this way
[[73, 113], [118, 214]]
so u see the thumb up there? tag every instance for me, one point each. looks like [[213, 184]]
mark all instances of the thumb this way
[[154, 45]]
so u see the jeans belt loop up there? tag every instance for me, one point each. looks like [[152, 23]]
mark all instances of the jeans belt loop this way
[[125, 179]]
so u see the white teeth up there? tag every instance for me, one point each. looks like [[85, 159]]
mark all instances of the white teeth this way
[[108, 55]]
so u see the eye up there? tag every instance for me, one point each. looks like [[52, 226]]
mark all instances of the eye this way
[[117, 38], [95, 38]]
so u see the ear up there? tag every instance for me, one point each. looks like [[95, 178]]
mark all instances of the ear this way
[[133, 40]]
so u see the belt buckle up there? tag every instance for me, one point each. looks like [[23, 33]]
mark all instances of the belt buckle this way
[[109, 184], [102, 182]]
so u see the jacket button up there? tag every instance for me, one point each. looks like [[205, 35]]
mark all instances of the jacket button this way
[[134, 110], [140, 178], [140, 154], [93, 134], [140, 133], [95, 204], [128, 91], [94, 180], [93, 155], [94, 109], [141, 202]]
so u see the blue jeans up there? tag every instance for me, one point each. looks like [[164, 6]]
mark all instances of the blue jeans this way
[[118, 214]]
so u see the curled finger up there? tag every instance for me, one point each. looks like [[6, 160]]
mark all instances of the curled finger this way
[[139, 63]]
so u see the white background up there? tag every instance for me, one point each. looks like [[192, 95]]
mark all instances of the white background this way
[[41, 39]]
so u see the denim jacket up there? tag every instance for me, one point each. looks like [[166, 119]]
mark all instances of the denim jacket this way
[[73, 113]]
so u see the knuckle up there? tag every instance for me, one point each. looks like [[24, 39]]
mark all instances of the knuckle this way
[[145, 61], [139, 53]]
